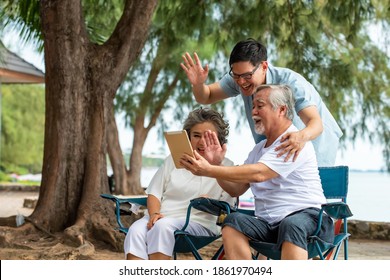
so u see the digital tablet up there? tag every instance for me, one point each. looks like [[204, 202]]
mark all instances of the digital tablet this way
[[179, 144]]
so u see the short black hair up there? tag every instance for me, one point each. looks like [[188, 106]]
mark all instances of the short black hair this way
[[248, 50]]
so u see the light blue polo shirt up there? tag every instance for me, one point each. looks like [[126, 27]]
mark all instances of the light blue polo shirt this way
[[326, 144]]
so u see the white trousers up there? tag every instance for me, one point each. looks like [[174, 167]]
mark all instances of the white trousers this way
[[142, 242]]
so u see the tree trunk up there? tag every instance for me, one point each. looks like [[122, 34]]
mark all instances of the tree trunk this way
[[141, 132], [134, 172], [116, 156], [81, 81]]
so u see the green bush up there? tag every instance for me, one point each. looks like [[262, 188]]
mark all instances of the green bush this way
[[22, 130], [4, 177]]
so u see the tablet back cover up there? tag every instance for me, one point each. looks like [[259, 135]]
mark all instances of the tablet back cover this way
[[179, 144]]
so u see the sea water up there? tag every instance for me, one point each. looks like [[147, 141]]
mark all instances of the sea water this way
[[368, 194]]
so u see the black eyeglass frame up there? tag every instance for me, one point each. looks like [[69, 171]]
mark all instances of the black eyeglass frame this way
[[245, 76]]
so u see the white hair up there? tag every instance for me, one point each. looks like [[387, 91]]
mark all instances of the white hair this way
[[280, 95]]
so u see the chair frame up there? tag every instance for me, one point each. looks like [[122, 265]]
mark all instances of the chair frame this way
[[184, 241], [120, 211]]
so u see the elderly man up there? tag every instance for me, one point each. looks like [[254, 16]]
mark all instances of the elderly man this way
[[288, 195]]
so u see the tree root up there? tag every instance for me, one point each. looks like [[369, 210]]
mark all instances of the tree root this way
[[39, 227]]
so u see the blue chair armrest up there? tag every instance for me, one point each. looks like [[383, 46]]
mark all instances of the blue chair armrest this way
[[211, 206], [136, 200], [122, 207], [337, 210]]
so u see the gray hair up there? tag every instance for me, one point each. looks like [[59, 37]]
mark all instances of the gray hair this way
[[280, 95], [202, 115]]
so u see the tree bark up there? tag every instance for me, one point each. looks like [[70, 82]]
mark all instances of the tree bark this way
[[140, 135], [134, 172], [81, 81], [116, 156]]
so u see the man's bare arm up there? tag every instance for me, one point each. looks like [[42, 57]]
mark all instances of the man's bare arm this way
[[232, 188], [233, 179]]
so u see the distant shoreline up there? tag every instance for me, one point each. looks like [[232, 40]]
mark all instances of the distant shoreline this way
[[369, 171]]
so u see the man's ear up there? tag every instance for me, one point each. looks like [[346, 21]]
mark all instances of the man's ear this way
[[283, 110], [264, 65]]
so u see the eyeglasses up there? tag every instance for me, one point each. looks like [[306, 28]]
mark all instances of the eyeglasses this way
[[245, 76]]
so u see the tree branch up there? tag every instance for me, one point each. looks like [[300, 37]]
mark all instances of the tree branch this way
[[128, 37]]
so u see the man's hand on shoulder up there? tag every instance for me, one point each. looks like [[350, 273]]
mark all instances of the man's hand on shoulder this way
[[292, 144]]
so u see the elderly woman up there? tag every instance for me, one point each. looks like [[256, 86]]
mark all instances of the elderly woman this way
[[170, 191]]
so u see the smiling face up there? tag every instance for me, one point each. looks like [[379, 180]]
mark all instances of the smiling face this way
[[197, 136], [241, 69], [263, 114]]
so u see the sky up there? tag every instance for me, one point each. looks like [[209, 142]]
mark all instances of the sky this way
[[363, 156]]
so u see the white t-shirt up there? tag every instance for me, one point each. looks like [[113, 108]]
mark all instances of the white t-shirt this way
[[176, 187], [297, 187]]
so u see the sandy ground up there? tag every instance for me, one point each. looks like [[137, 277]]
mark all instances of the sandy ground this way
[[38, 247], [11, 203]]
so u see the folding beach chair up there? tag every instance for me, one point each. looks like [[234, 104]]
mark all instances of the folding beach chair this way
[[184, 241], [335, 185]]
